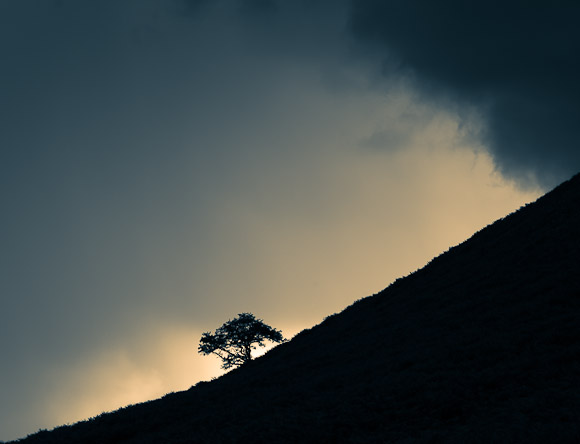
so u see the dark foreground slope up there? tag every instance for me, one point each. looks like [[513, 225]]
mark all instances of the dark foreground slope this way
[[481, 345]]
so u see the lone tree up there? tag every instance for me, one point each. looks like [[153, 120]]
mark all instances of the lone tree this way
[[234, 341]]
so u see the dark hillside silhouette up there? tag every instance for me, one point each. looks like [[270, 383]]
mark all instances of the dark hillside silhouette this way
[[481, 345]]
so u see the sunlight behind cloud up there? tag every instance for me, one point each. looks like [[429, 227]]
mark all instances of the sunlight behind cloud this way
[[134, 372], [345, 225]]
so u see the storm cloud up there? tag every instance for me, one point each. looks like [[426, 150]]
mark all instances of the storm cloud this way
[[517, 61]]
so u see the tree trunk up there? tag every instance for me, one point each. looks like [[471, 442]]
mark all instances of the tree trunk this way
[[247, 353]]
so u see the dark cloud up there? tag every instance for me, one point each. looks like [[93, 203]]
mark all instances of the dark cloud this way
[[259, 6], [517, 60]]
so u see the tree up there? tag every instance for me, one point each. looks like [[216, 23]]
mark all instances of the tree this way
[[234, 341]]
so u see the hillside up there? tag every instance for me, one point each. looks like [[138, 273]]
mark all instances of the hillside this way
[[480, 345]]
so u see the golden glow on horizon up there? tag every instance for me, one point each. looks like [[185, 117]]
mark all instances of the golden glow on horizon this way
[[117, 378]]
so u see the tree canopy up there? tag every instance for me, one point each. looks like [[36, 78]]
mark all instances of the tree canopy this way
[[234, 341]]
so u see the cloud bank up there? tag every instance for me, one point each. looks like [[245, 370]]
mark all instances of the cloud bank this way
[[516, 61]]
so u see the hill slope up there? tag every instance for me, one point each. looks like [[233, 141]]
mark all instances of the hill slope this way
[[481, 345]]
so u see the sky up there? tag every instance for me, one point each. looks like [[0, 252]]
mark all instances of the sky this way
[[168, 164]]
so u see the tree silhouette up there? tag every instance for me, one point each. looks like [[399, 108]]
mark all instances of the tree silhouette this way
[[234, 341]]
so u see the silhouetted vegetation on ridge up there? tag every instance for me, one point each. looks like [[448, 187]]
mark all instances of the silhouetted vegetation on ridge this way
[[481, 345], [234, 341]]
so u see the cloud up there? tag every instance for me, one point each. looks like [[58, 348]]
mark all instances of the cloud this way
[[516, 61], [167, 169]]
